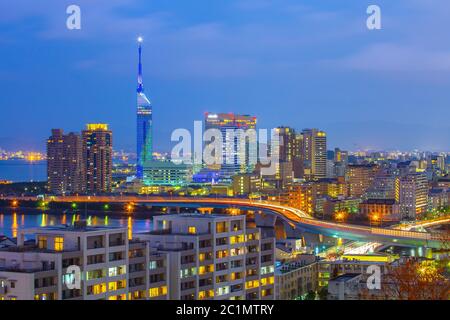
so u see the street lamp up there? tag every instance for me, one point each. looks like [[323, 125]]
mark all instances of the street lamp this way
[[375, 218], [129, 207]]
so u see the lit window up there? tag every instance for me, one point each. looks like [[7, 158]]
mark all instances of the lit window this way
[[59, 244], [192, 230]]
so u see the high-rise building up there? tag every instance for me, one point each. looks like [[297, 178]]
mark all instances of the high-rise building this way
[[97, 158], [411, 192], [314, 154], [214, 257], [340, 162], [298, 165], [246, 183], [233, 128], [440, 163], [144, 125], [290, 149], [64, 163]]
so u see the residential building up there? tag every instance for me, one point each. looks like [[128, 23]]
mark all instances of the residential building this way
[[295, 278], [411, 192], [214, 257], [40, 271], [360, 177], [314, 150], [97, 158], [64, 163]]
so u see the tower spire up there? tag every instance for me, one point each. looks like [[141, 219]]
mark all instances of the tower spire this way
[[140, 87]]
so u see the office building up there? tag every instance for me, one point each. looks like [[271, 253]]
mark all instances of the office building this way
[[97, 158], [64, 163], [239, 155], [166, 173]]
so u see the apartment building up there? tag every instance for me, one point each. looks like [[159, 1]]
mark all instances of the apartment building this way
[[40, 271], [147, 273], [351, 264], [296, 278], [214, 257]]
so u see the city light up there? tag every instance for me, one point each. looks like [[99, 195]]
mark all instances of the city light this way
[[129, 207]]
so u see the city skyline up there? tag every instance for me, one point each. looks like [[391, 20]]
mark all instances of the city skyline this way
[[274, 71]]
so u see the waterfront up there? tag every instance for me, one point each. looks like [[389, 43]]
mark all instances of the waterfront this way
[[23, 171], [11, 222]]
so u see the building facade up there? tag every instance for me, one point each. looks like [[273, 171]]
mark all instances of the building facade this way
[[360, 177], [314, 154], [214, 257], [238, 153], [110, 265], [64, 163], [411, 192], [97, 158]]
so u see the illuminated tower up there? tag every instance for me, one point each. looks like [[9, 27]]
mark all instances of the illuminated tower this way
[[144, 125]]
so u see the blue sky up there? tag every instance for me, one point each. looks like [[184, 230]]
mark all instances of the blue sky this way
[[289, 62]]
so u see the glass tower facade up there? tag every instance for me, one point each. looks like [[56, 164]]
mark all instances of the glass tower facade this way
[[144, 142]]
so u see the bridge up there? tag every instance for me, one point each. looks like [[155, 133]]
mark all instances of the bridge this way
[[294, 222]]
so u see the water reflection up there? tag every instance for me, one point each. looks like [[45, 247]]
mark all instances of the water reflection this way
[[14, 225], [130, 228], [44, 218], [11, 222]]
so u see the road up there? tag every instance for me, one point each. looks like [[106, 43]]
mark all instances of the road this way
[[297, 218]]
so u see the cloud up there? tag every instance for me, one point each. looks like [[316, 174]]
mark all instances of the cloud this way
[[390, 57]]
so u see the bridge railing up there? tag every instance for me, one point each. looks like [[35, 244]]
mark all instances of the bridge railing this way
[[401, 233]]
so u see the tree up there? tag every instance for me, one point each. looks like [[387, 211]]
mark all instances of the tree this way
[[323, 293], [416, 280], [311, 295]]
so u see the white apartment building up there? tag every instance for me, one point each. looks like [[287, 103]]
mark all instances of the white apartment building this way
[[214, 256], [39, 271]]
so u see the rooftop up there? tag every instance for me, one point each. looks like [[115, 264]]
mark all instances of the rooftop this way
[[346, 277]]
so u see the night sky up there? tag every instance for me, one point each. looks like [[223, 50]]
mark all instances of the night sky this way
[[288, 62]]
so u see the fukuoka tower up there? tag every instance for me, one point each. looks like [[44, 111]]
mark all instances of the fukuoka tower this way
[[144, 143]]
